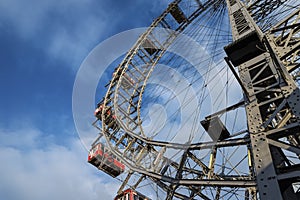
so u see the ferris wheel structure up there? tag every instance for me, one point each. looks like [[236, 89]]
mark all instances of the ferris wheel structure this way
[[225, 74]]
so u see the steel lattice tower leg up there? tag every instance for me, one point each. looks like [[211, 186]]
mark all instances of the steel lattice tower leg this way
[[273, 109]]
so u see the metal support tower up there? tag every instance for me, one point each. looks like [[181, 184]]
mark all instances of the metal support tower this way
[[272, 98]]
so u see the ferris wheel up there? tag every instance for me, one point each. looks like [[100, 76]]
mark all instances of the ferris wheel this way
[[205, 102]]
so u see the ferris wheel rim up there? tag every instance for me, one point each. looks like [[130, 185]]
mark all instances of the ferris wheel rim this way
[[148, 141]]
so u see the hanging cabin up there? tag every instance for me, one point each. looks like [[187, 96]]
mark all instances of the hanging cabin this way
[[104, 160], [110, 118], [130, 194]]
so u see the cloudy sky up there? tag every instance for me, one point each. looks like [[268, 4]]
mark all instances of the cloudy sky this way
[[43, 44]]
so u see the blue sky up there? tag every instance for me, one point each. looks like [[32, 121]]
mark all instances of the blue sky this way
[[43, 44]]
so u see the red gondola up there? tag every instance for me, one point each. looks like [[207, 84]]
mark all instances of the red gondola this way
[[103, 159], [110, 118], [130, 194]]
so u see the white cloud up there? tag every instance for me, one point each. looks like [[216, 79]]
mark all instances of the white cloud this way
[[29, 17], [35, 169], [68, 30], [65, 30]]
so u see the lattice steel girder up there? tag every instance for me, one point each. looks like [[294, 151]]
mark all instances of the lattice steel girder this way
[[284, 39], [272, 95], [264, 107], [260, 9], [148, 53], [285, 146], [240, 20], [195, 185]]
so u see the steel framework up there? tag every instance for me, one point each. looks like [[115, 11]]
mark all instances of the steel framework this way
[[265, 51]]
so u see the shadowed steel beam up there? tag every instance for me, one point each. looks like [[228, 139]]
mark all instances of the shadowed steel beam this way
[[260, 9], [284, 146]]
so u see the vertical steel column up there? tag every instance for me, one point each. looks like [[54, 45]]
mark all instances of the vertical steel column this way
[[270, 90]]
